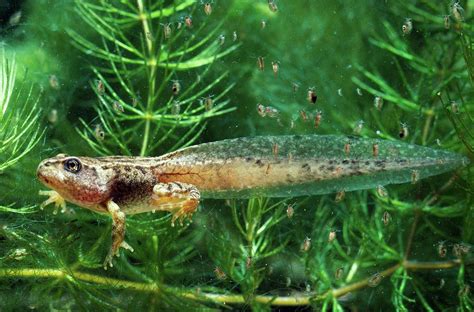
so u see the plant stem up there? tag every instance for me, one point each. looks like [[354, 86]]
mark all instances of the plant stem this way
[[297, 300]]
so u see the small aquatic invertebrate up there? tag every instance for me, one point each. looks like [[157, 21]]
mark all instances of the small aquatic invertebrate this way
[[378, 103], [375, 150], [382, 191], [457, 11], [340, 196], [415, 176], [208, 103], [100, 87], [403, 133], [303, 115], [338, 273], [272, 5], [455, 107], [317, 119], [234, 36], [261, 110], [290, 211], [53, 82], [221, 39], [386, 218], [176, 87], [358, 127], [263, 24], [220, 274], [295, 86], [275, 67], [53, 116], [359, 92], [188, 21], [331, 236], [442, 250], [261, 63], [407, 26], [374, 280], [176, 108], [447, 22], [207, 8], [339, 92], [235, 168], [312, 97], [306, 244], [271, 112], [118, 107], [167, 30], [99, 132]]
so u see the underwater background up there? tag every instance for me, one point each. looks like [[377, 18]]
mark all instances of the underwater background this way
[[143, 78]]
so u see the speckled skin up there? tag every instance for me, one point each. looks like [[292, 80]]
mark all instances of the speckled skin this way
[[276, 166], [245, 167]]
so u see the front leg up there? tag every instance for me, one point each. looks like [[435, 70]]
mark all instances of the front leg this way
[[118, 232], [181, 199]]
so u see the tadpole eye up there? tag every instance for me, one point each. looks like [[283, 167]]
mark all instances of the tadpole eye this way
[[72, 165]]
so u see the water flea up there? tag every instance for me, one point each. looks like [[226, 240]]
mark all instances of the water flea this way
[[272, 6], [306, 244], [374, 280], [454, 107], [275, 67], [176, 107], [303, 115], [447, 22], [167, 30], [386, 218], [461, 249], [53, 82], [339, 92], [180, 24], [375, 150], [263, 24], [99, 132], [415, 176], [358, 127], [331, 236], [100, 87], [442, 249], [338, 273], [359, 92], [312, 97], [340, 196], [248, 262], [271, 112], [208, 103], [457, 11], [261, 63], [403, 133], [442, 282], [317, 119], [378, 103], [261, 110], [234, 36], [290, 211], [176, 87], [382, 191], [188, 21], [288, 282], [118, 107], [220, 274], [207, 8], [53, 116], [407, 26], [221, 39]]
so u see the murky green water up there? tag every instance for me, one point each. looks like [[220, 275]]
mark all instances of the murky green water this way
[[144, 78]]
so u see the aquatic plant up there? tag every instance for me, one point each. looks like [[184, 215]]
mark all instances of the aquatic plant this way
[[406, 247], [19, 114], [146, 49]]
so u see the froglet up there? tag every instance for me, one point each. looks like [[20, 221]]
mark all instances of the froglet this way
[[273, 166]]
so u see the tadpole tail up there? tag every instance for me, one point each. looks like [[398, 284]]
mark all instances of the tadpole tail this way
[[286, 166]]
